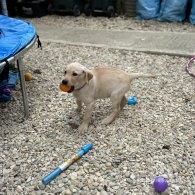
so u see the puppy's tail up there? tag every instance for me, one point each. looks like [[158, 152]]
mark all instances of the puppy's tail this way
[[139, 75]]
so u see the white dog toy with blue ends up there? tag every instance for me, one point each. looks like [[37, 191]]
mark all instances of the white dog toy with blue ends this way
[[66, 164]]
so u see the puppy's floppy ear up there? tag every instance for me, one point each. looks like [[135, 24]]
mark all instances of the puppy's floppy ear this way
[[89, 75]]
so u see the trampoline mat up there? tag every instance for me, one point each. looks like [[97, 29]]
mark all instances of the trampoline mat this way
[[15, 35]]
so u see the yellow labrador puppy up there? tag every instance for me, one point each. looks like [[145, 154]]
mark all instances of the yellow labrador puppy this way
[[89, 85]]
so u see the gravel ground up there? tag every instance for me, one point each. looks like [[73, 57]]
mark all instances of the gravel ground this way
[[118, 23], [154, 137]]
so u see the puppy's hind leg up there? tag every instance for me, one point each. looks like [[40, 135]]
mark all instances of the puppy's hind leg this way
[[123, 102], [116, 108]]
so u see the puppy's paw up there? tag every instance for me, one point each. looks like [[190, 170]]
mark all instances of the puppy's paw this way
[[107, 120], [78, 109], [83, 128]]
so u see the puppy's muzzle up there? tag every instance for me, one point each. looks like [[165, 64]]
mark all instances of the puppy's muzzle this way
[[65, 82]]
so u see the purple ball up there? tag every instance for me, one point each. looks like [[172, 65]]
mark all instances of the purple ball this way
[[160, 184]]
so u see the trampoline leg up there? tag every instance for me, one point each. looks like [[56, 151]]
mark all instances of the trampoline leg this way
[[23, 87]]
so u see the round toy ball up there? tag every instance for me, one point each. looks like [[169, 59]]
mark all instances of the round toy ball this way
[[160, 184], [65, 88], [132, 101], [28, 76]]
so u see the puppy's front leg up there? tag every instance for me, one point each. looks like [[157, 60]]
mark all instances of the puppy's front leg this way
[[88, 112], [79, 105]]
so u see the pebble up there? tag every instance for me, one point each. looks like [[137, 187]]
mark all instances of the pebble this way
[[103, 192], [176, 187], [61, 185], [29, 179], [19, 189], [57, 191], [129, 181], [80, 185], [66, 192], [74, 190], [127, 174], [96, 184], [81, 172], [41, 186], [73, 176], [132, 176]]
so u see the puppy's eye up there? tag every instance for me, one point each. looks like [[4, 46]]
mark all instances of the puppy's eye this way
[[65, 72], [74, 74]]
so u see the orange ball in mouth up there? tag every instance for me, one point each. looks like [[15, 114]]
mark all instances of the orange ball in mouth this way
[[65, 88]]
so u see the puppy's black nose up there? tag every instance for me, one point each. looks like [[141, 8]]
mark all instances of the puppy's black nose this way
[[65, 82]]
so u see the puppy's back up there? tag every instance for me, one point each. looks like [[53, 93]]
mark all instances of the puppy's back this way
[[108, 80]]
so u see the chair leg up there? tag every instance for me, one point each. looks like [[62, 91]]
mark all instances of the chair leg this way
[[23, 87]]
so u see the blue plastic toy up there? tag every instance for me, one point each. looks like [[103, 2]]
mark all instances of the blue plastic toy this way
[[66, 164], [132, 101]]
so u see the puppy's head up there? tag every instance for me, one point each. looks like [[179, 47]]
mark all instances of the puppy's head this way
[[76, 75]]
